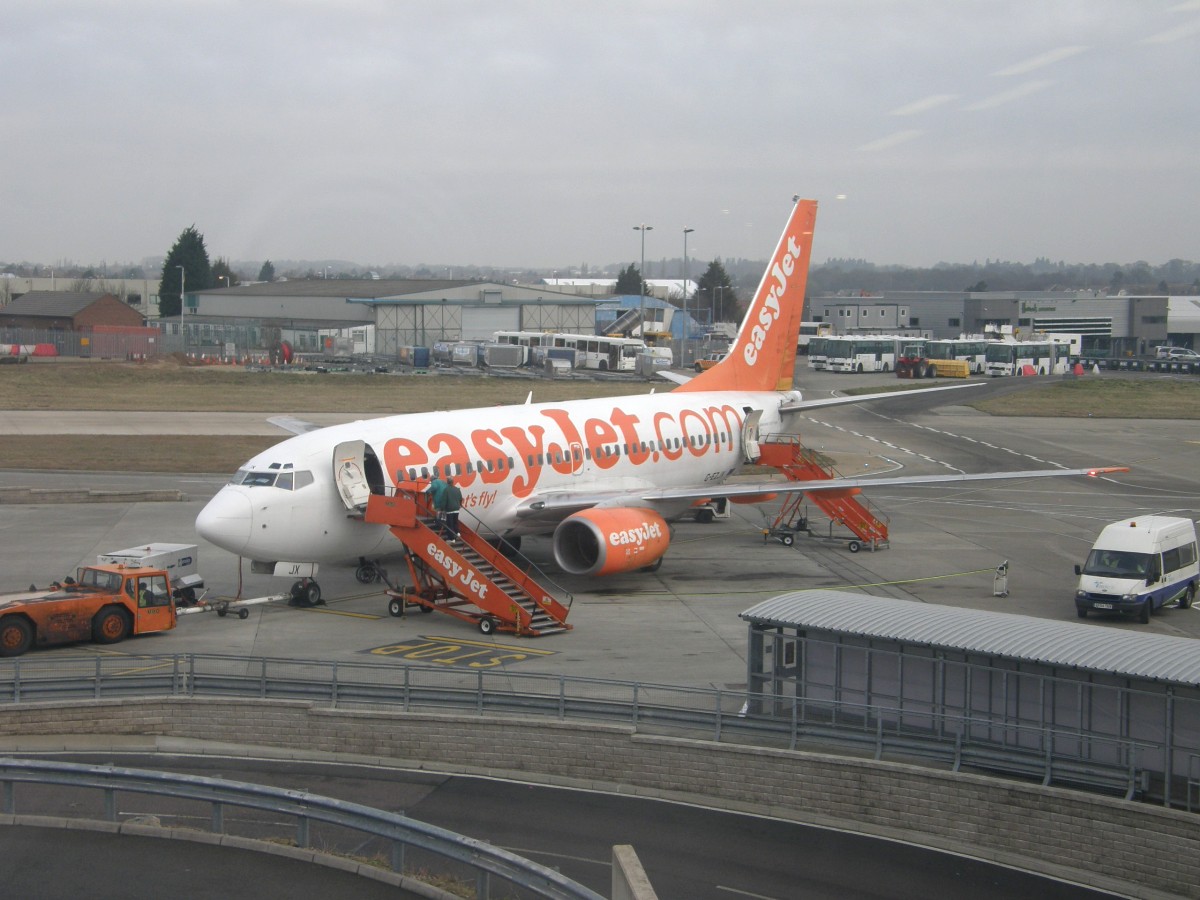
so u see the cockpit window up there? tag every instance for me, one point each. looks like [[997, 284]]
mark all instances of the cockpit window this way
[[286, 480]]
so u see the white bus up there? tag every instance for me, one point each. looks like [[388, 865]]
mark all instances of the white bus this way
[[1019, 357], [818, 354], [972, 351], [872, 353], [592, 351], [811, 330]]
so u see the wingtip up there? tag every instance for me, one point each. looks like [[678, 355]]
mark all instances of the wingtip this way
[[1106, 470]]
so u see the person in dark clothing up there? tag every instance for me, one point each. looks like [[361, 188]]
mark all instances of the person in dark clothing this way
[[437, 499], [452, 504]]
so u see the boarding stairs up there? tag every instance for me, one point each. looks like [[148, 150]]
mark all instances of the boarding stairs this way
[[625, 323], [470, 579], [841, 505]]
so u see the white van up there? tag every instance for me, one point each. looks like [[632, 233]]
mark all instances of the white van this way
[[1138, 565]]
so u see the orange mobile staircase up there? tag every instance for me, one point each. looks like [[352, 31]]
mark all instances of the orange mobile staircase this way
[[784, 452], [471, 579]]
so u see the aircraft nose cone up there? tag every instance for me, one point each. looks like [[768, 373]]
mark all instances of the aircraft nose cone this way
[[225, 521]]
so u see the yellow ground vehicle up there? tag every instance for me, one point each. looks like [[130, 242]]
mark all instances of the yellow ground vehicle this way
[[103, 603]]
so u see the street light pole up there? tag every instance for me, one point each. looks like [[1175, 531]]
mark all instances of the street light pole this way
[[643, 228], [182, 301], [687, 328]]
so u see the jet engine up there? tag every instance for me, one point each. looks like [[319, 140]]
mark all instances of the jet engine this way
[[607, 541]]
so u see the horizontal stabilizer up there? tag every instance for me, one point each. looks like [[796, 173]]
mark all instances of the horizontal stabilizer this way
[[866, 398], [676, 377]]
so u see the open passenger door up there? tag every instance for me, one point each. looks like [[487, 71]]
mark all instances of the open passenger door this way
[[750, 448], [357, 474]]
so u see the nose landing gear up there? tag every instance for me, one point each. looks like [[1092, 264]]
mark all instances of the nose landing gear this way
[[306, 592]]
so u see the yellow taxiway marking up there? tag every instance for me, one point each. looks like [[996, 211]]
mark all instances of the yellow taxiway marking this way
[[445, 651], [339, 612], [141, 669]]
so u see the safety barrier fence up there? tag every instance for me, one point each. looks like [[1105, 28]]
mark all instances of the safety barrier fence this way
[[1073, 757], [399, 833]]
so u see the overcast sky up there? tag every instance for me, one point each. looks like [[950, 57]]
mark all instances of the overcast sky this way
[[522, 133]]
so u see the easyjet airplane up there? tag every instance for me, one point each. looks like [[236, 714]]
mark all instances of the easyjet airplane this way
[[603, 477]]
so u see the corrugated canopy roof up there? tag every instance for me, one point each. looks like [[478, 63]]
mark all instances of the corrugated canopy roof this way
[[1124, 652]]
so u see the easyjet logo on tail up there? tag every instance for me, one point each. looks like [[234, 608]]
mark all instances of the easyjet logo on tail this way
[[763, 355], [781, 271]]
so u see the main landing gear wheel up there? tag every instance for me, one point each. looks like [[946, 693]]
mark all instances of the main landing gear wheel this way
[[854, 546], [487, 625], [366, 573], [306, 592], [396, 607]]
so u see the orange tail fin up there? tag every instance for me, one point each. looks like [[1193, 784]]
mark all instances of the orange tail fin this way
[[763, 355]]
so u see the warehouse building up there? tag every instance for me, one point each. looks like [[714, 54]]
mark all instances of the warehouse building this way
[[397, 313], [1116, 325]]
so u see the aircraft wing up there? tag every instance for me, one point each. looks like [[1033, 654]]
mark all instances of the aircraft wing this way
[[292, 424], [558, 504], [764, 486]]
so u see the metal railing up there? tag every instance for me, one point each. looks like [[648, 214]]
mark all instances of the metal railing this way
[[399, 832], [1072, 757]]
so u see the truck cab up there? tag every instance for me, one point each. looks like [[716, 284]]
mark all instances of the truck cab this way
[[103, 603], [1139, 565]]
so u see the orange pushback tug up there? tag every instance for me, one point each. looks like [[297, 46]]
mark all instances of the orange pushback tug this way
[[104, 603]]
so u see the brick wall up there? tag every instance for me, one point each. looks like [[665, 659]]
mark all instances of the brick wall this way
[[1107, 843], [108, 310]]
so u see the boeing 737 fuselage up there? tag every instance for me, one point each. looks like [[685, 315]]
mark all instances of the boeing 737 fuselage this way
[[604, 477]]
